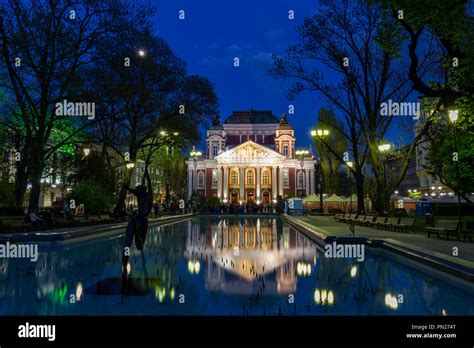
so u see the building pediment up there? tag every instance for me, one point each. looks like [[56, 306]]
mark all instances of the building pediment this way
[[250, 153]]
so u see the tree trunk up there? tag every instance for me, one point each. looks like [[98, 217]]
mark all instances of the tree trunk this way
[[21, 181], [120, 205], [359, 179], [36, 174]]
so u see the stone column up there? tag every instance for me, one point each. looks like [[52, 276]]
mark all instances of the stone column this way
[[274, 183], [219, 182], [280, 180], [306, 177], [258, 184], [226, 186], [311, 181], [190, 182], [241, 182]]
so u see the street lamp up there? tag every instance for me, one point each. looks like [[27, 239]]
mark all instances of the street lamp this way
[[384, 148], [453, 117], [130, 165], [320, 133], [87, 151], [301, 154], [195, 156], [141, 53]]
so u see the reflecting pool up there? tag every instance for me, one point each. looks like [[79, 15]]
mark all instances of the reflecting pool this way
[[221, 266]]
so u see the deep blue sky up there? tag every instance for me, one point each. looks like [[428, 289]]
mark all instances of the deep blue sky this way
[[216, 31]]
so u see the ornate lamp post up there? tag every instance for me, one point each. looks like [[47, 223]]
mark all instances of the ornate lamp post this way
[[384, 148], [195, 156], [453, 117], [301, 154], [320, 133]]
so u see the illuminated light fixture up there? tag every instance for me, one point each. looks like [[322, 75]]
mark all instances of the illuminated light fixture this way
[[274, 201], [162, 133], [258, 201], [396, 192], [353, 271], [313, 133], [317, 296], [130, 165], [141, 53], [409, 191], [86, 151], [440, 187], [79, 292], [433, 188], [391, 301], [384, 147], [350, 164], [453, 115], [129, 268], [194, 266], [330, 297], [175, 133], [224, 200]]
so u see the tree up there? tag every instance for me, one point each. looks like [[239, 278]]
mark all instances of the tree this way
[[43, 44], [151, 98], [345, 38], [337, 142]]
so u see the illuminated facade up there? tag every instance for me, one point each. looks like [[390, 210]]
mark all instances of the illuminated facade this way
[[251, 158]]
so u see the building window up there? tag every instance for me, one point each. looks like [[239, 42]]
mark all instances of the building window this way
[[234, 177], [286, 181], [214, 178], [201, 180], [215, 150], [300, 180], [266, 177], [285, 150], [250, 178]]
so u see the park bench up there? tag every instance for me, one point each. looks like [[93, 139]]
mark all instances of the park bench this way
[[368, 220], [468, 230], [378, 221], [444, 226], [360, 219], [390, 223], [348, 217], [405, 224], [338, 217]]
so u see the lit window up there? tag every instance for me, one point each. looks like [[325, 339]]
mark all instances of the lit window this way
[[250, 178], [266, 177], [286, 181], [234, 177], [201, 180], [285, 150], [300, 180], [215, 150], [214, 178]]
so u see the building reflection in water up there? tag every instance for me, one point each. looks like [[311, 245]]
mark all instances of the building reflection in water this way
[[238, 252]]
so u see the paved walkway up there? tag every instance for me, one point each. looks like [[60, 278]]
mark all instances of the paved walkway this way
[[433, 246]]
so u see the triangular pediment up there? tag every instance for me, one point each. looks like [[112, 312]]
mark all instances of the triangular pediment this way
[[250, 153]]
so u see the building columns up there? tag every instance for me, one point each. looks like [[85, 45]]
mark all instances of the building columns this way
[[226, 186], [311, 181], [190, 182], [280, 180], [306, 177], [258, 185], [219, 182], [241, 182], [274, 182]]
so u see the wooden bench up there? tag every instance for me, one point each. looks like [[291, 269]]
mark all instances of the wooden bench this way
[[390, 223], [405, 224], [378, 221], [369, 219], [360, 219], [444, 226], [468, 230], [339, 217]]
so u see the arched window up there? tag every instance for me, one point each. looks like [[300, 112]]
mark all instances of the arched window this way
[[234, 177], [286, 181], [201, 180], [285, 150], [300, 180], [215, 150], [250, 178], [266, 177]]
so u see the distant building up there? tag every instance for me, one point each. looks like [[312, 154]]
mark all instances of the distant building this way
[[251, 158]]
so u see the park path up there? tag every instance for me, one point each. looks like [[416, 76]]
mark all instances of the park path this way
[[433, 246]]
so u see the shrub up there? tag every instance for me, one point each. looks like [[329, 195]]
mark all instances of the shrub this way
[[92, 194]]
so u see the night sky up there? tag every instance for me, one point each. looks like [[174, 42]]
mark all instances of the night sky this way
[[216, 31]]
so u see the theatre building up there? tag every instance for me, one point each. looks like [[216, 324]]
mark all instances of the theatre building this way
[[251, 158]]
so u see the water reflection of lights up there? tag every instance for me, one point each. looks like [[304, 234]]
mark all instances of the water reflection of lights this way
[[303, 269], [324, 297], [443, 312], [391, 301], [79, 292], [353, 271], [194, 266], [129, 267]]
